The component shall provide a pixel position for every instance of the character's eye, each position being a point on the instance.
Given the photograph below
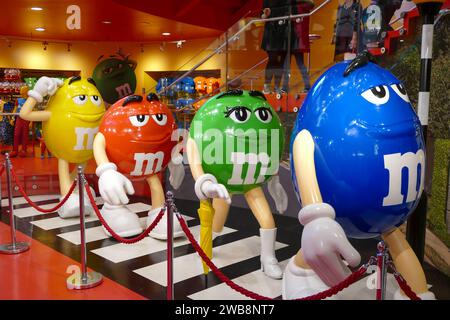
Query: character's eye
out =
(80, 100)
(139, 120)
(401, 91)
(264, 114)
(160, 118)
(108, 70)
(96, 100)
(377, 95)
(239, 114)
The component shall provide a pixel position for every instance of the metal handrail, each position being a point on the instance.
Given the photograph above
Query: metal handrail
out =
(234, 37)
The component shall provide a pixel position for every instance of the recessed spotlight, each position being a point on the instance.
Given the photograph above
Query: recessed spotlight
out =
(106, 22)
(166, 33)
(40, 29)
(36, 8)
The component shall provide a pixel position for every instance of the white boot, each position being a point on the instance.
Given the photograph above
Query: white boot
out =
(71, 208)
(122, 220)
(428, 295)
(160, 231)
(299, 283)
(269, 263)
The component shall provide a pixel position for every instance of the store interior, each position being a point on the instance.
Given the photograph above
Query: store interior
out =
(187, 53)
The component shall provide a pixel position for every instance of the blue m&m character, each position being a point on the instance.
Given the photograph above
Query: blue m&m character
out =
(357, 163)
(369, 150)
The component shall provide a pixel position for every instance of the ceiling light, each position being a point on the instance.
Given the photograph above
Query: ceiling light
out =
(36, 8)
(40, 29)
(166, 33)
(106, 22)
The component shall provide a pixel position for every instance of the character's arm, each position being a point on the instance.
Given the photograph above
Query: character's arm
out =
(113, 185)
(43, 87)
(323, 239)
(206, 185)
(277, 193)
(176, 166)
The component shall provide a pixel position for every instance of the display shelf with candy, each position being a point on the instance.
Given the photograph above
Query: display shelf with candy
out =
(10, 81)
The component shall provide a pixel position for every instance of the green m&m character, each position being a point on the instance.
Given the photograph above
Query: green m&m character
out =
(115, 77)
(235, 145)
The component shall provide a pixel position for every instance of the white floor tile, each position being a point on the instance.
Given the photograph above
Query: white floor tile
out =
(122, 252)
(57, 222)
(21, 200)
(95, 233)
(190, 265)
(30, 211)
(255, 281)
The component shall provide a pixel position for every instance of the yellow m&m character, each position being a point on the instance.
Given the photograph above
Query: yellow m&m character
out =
(69, 124)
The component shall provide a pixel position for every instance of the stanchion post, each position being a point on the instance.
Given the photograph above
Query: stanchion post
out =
(83, 279)
(170, 208)
(416, 226)
(382, 256)
(14, 247)
(82, 224)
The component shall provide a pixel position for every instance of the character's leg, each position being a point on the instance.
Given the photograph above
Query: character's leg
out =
(221, 209)
(407, 265)
(72, 206)
(65, 180)
(268, 232)
(158, 199)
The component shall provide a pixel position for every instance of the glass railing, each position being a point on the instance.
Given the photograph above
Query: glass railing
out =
(254, 52)
(282, 52)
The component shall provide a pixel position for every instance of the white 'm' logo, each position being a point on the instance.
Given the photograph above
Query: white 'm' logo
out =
(395, 163)
(151, 158)
(81, 133)
(252, 159)
(124, 90)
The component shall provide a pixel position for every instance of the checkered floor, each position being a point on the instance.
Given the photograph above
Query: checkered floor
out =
(141, 267)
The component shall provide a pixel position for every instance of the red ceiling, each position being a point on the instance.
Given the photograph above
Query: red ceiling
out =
(216, 14)
(132, 20)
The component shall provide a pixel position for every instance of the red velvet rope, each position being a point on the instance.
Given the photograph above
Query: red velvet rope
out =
(111, 231)
(405, 287)
(322, 295)
(35, 206)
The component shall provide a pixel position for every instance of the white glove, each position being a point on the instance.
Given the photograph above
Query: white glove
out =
(206, 187)
(324, 242)
(278, 193)
(113, 185)
(45, 86)
(176, 169)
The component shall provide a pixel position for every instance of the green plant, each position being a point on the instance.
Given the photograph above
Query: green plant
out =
(438, 199)
(405, 64)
